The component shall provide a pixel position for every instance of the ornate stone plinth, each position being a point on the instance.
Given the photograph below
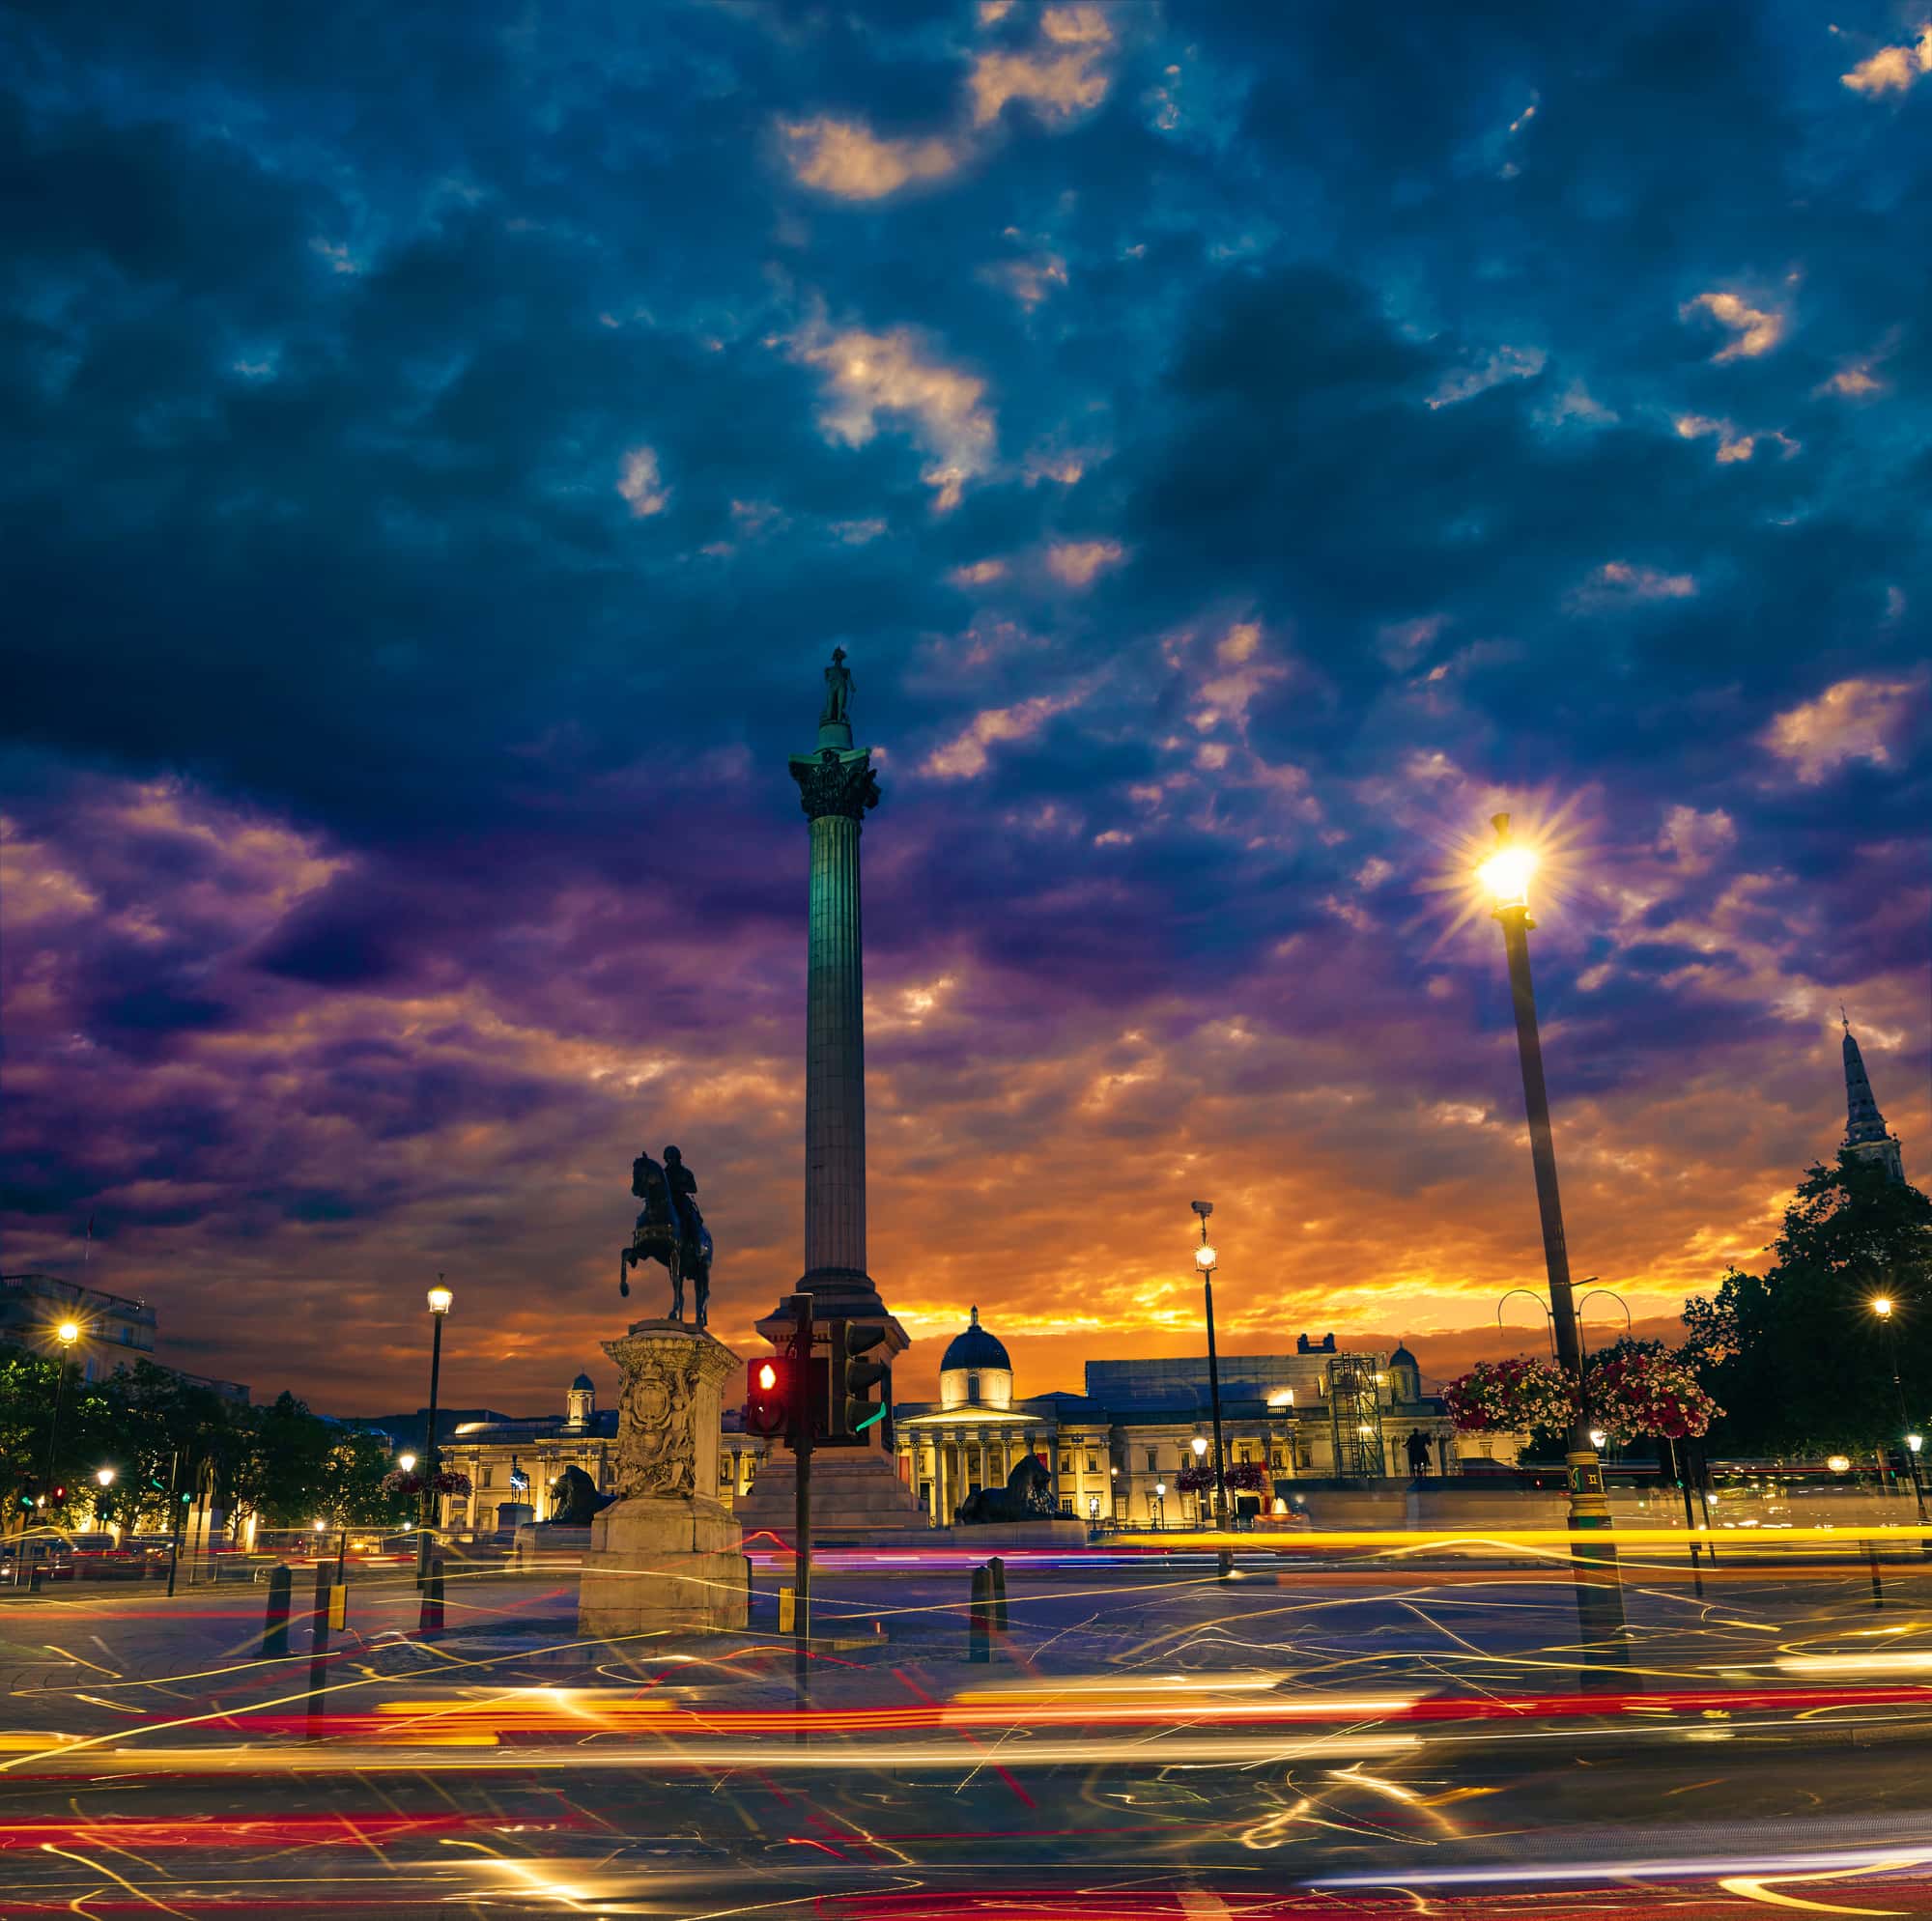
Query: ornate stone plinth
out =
(667, 1556)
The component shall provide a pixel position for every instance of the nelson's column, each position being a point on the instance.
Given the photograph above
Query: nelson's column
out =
(854, 1491)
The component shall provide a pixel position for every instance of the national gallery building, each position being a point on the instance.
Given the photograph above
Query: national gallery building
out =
(1116, 1451)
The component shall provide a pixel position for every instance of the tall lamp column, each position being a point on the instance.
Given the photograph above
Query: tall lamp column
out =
(1506, 875)
(66, 1334)
(1882, 1307)
(441, 1300)
(1599, 1598)
(1204, 1259)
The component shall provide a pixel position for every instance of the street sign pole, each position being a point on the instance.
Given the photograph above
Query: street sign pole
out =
(801, 1445)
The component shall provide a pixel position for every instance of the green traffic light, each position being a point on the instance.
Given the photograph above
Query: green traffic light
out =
(876, 1415)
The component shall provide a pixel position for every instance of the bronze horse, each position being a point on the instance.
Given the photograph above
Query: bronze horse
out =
(669, 1230)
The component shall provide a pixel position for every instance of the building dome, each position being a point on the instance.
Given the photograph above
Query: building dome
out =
(975, 1348)
(1402, 1358)
(975, 1371)
(584, 1381)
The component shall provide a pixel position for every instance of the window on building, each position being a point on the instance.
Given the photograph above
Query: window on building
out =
(724, 1469)
(488, 1477)
(973, 1389)
(1067, 1504)
(1066, 1463)
(1154, 1461)
(1092, 1464)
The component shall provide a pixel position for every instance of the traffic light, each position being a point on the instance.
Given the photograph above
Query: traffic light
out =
(59, 1494)
(769, 1392)
(852, 1410)
(30, 1492)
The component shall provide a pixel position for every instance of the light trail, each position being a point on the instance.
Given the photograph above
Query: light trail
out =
(1851, 1861)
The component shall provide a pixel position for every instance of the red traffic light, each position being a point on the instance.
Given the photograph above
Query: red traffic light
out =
(768, 1392)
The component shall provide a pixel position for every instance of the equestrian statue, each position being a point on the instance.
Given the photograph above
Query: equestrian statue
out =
(670, 1229)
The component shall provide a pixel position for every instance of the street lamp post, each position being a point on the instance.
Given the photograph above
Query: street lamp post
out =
(441, 1300)
(1882, 1307)
(1204, 1259)
(1506, 877)
(66, 1334)
(1160, 1504)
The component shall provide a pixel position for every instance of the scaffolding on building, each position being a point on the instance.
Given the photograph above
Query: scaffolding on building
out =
(1354, 1408)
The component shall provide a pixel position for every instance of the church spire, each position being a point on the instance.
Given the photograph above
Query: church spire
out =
(1866, 1132)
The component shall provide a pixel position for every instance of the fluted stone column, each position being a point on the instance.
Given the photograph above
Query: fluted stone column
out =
(856, 1490)
(835, 1057)
(837, 785)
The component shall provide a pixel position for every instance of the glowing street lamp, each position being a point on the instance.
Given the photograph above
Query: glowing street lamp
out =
(407, 1462)
(1505, 877)
(440, 1301)
(104, 1476)
(1505, 874)
(66, 1334)
(1204, 1259)
(1160, 1497)
(1882, 1305)
(1598, 1437)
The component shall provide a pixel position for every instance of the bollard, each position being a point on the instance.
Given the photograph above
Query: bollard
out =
(430, 1621)
(978, 1619)
(318, 1649)
(788, 1609)
(1871, 1558)
(275, 1620)
(995, 1576)
(32, 1552)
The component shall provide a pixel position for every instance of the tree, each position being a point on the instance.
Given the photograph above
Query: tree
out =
(1795, 1354)
(282, 1472)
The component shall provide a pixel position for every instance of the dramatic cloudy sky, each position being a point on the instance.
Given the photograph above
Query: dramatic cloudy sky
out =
(1240, 446)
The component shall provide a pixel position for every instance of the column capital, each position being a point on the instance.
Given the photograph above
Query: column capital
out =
(838, 781)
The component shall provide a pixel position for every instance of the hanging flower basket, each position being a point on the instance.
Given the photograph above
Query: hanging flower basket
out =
(405, 1481)
(1502, 1396)
(1634, 1394)
(1248, 1477)
(1196, 1478)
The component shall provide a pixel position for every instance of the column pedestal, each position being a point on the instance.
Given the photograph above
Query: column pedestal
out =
(668, 1556)
(856, 1492)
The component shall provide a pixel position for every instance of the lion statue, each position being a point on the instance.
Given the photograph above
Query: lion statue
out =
(1027, 1496)
(574, 1499)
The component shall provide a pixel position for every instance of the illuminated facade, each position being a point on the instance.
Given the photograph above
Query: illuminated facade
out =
(511, 1461)
(1111, 1451)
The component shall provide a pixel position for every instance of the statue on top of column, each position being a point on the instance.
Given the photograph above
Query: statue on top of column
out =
(838, 709)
